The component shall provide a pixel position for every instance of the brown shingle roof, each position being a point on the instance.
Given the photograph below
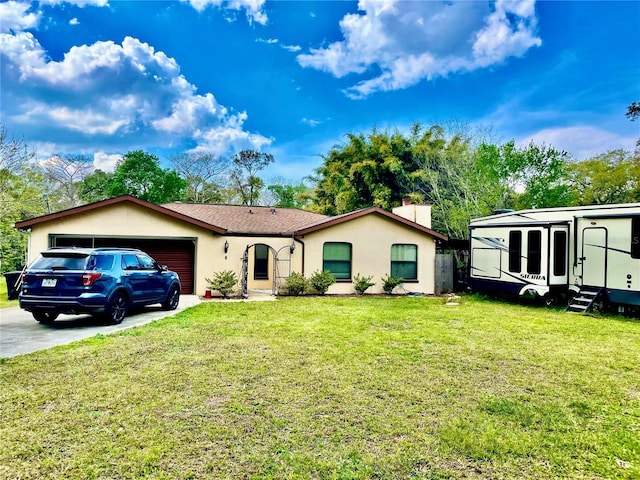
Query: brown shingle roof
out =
(249, 220)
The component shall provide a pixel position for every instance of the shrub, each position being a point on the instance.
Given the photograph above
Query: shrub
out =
(321, 281)
(296, 284)
(224, 282)
(362, 283)
(389, 283)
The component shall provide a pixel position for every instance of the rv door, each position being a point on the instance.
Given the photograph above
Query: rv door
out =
(594, 256)
(559, 255)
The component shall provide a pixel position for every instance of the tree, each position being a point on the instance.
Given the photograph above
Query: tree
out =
(139, 174)
(428, 165)
(21, 197)
(613, 177)
(14, 154)
(286, 195)
(247, 163)
(366, 171)
(64, 175)
(95, 186)
(536, 174)
(450, 178)
(202, 172)
(633, 113)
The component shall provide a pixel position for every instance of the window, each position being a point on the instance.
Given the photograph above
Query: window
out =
(534, 251)
(101, 262)
(336, 257)
(635, 237)
(515, 251)
(404, 261)
(559, 254)
(130, 262)
(146, 263)
(261, 262)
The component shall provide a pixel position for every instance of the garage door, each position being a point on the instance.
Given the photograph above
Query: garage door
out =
(177, 255)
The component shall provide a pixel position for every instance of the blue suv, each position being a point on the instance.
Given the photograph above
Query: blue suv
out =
(105, 282)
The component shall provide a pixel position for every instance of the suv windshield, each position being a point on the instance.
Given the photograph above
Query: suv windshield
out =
(60, 262)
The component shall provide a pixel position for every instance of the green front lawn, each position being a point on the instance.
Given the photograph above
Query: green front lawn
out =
(4, 301)
(332, 388)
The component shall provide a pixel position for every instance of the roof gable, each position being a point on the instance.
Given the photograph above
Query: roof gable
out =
(331, 221)
(124, 199)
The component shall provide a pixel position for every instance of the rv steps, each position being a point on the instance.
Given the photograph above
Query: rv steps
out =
(584, 300)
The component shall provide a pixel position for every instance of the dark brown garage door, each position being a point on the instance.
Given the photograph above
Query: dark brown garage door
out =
(177, 255)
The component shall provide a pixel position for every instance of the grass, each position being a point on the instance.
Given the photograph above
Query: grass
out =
(4, 301)
(332, 388)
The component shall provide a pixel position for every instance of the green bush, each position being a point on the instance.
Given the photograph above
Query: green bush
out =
(224, 282)
(296, 284)
(321, 281)
(361, 284)
(389, 283)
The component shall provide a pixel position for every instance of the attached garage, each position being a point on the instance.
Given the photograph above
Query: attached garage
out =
(177, 254)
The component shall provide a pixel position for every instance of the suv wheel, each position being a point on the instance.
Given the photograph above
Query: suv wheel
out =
(45, 318)
(116, 309)
(173, 298)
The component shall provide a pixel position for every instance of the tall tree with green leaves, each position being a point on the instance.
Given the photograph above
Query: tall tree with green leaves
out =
(246, 165)
(287, 195)
(22, 191)
(95, 186)
(612, 177)
(367, 170)
(534, 176)
(140, 174)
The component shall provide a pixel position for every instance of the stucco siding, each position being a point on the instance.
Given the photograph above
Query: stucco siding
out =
(371, 237)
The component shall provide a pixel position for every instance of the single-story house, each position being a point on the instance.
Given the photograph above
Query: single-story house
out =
(263, 245)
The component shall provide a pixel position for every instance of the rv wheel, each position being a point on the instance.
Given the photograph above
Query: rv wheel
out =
(550, 300)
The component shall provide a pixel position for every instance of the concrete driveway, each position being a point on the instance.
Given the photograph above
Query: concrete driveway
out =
(20, 333)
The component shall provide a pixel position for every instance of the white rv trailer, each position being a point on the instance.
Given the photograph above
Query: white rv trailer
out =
(559, 253)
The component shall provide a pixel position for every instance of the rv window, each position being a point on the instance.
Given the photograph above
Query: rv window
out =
(515, 251)
(560, 253)
(635, 237)
(534, 254)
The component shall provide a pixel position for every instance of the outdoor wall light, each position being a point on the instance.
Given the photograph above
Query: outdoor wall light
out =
(292, 247)
(226, 246)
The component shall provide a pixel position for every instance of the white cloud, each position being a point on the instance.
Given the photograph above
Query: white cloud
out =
(292, 48)
(74, 21)
(105, 162)
(582, 142)
(79, 3)
(311, 122)
(253, 8)
(127, 93)
(395, 44)
(17, 17)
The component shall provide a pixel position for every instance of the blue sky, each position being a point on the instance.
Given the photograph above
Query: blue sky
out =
(292, 77)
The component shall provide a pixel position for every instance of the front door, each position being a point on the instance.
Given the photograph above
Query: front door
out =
(594, 257)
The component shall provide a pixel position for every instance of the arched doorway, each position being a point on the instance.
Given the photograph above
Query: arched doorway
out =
(280, 266)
